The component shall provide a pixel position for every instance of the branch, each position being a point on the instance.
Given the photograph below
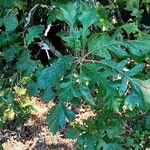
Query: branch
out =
(31, 12)
(144, 27)
(47, 46)
(30, 15)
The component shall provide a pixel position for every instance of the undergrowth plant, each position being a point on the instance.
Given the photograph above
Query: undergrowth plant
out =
(107, 66)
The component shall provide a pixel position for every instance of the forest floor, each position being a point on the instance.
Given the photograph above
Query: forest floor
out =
(34, 133)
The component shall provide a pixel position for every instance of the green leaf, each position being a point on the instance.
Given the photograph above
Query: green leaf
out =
(117, 104)
(57, 117)
(21, 5)
(132, 101)
(85, 92)
(91, 71)
(114, 129)
(9, 54)
(147, 125)
(7, 2)
(33, 32)
(72, 133)
(112, 146)
(130, 28)
(51, 76)
(133, 6)
(10, 21)
(68, 13)
(62, 121)
(1, 22)
(25, 64)
(135, 70)
(119, 68)
(1, 147)
(138, 47)
(144, 87)
(53, 119)
(87, 141)
(99, 46)
(119, 51)
(32, 89)
(72, 39)
(70, 115)
(68, 91)
(10, 99)
(105, 90)
(52, 17)
(48, 94)
(123, 86)
(88, 17)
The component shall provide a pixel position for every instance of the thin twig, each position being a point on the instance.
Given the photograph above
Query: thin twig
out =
(52, 49)
(49, 47)
(29, 18)
(144, 27)
(30, 15)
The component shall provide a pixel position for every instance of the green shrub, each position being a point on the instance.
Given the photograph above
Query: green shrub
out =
(107, 66)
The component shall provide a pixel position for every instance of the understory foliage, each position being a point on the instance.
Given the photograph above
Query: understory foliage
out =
(106, 65)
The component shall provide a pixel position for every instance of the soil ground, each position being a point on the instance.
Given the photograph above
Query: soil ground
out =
(34, 133)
